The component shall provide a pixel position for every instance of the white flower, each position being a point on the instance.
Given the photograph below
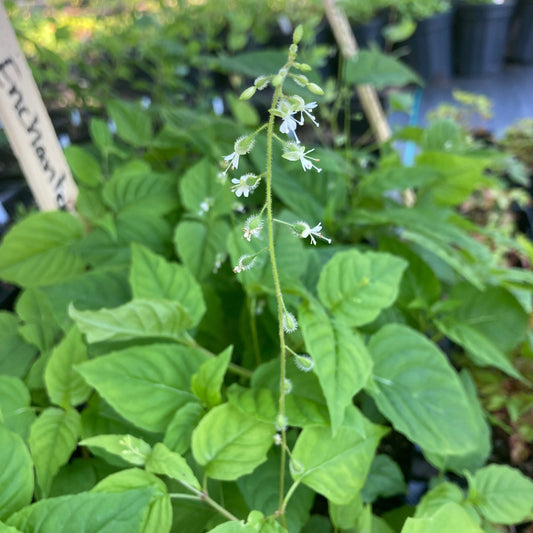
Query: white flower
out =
(277, 439)
(307, 110)
(205, 206)
(245, 185)
(303, 230)
(296, 152)
(252, 227)
(288, 123)
(243, 145)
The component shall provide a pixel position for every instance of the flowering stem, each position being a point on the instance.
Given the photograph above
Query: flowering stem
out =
(277, 286)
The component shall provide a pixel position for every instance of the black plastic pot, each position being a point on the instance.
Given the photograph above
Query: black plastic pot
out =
(481, 32)
(521, 33)
(431, 47)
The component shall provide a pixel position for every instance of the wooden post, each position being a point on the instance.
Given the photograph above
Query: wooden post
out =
(367, 94)
(29, 128)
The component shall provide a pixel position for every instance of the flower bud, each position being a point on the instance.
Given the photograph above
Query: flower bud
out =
(247, 93)
(298, 34)
(304, 67)
(244, 145)
(261, 82)
(246, 262)
(304, 362)
(301, 80)
(289, 322)
(277, 80)
(281, 422)
(293, 49)
(314, 88)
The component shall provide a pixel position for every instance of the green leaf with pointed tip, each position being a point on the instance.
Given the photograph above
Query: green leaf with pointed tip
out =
(132, 449)
(207, 382)
(415, 387)
(152, 276)
(53, 438)
(135, 187)
(16, 474)
(85, 513)
(357, 286)
(320, 460)
(230, 443)
(233, 527)
(179, 431)
(84, 166)
(133, 123)
(342, 362)
(346, 516)
(38, 250)
(145, 384)
(201, 246)
(503, 495)
(15, 353)
(157, 517)
(15, 405)
(168, 463)
(200, 188)
(134, 320)
(64, 385)
(450, 518)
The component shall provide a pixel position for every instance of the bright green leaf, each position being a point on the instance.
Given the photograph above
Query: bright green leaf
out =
(134, 320)
(342, 362)
(15, 405)
(85, 513)
(152, 276)
(84, 166)
(356, 286)
(38, 250)
(502, 494)
(450, 518)
(233, 527)
(230, 443)
(100, 134)
(320, 460)
(16, 474)
(437, 497)
(133, 123)
(207, 382)
(53, 438)
(145, 384)
(419, 392)
(64, 385)
(131, 449)
(165, 462)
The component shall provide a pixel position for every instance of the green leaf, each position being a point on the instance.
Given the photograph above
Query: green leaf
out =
(378, 69)
(503, 495)
(418, 391)
(85, 513)
(15, 405)
(151, 276)
(84, 166)
(39, 328)
(200, 246)
(15, 353)
(200, 188)
(437, 497)
(131, 449)
(133, 123)
(53, 438)
(206, 384)
(168, 463)
(178, 433)
(100, 134)
(342, 362)
(8, 529)
(384, 480)
(320, 460)
(230, 443)
(65, 387)
(16, 474)
(135, 187)
(260, 491)
(145, 384)
(134, 320)
(450, 518)
(357, 286)
(233, 527)
(346, 516)
(158, 516)
(38, 251)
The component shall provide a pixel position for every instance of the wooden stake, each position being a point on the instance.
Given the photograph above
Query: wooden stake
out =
(29, 128)
(367, 94)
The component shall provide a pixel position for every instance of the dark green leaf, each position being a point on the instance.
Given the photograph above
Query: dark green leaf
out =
(15, 353)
